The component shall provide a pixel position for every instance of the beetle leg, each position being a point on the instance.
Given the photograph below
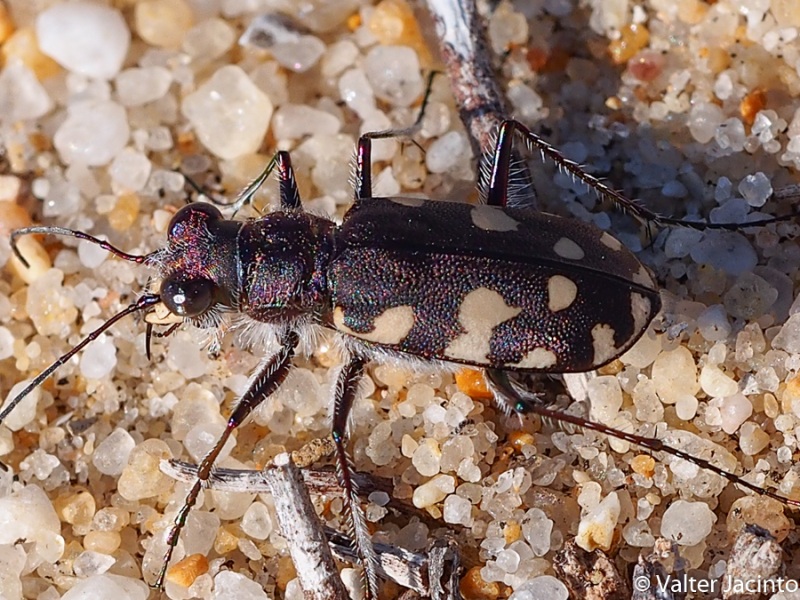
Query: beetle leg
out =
(290, 197)
(270, 375)
(345, 395)
(500, 168)
(524, 402)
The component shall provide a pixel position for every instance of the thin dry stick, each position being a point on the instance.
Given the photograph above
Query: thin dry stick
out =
(302, 529)
(408, 569)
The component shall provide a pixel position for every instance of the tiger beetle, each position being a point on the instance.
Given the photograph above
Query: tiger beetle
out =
(416, 281)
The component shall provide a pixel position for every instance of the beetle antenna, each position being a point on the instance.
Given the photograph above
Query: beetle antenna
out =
(139, 259)
(142, 303)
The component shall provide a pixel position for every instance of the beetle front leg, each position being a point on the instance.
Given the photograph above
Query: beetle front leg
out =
(345, 394)
(269, 377)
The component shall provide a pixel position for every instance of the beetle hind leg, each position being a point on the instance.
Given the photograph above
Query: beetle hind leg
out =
(269, 377)
(345, 394)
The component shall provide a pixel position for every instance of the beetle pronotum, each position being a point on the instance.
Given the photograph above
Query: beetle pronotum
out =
(404, 279)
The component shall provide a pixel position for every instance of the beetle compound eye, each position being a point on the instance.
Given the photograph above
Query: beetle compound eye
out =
(187, 297)
(191, 215)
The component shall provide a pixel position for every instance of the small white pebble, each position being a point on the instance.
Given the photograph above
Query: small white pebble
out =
(111, 455)
(756, 189)
(84, 37)
(596, 529)
(734, 411)
(433, 491)
(687, 523)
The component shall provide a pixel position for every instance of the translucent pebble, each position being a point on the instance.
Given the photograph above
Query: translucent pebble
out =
(749, 297)
(716, 383)
(732, 210)
(723, 86)
(506, 28)
(196, 538)
(756, 189)
(197, 405)
(427, 458)
(596, 529)
(433, 491)
(93, 133)
(338, 57)
(446, 152)
(680, 241)
(643, 352)
(256, 521)
(141, 478)
(788, 337)
(734, 411)
(91, 255)
(140, 85)
(638, 534)
(84, 37)
(229, 113)
(12, 561)
(605, 394)
(728, 251)
(752, 438)
(537, 528)
(380, 449)
(299, 55)
(454, 451)
(228, 584)
(25, 411)
(111, 455)
(301, 393)
(686, 407)
(163, 22)
(527, 103)
(130, 170)
(186, 357)
(713, 323)
(508, 561)
(99, 357)
(544, 587)
(40, 463)
(457, 510)
(200, 439)
(22, 97)
(687, 523)
(704, 118)
(722, 191)
(108, 585)
(209, 39)
(6, 343)
(28, 514)
(89, 564)
(357, 93)
(731, 134)
(293, 121)
(394, 73)
(674, 189)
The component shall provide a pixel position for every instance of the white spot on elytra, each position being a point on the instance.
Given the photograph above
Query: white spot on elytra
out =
(390, 327)
(610, 241)
(566, 248)
(603, 344)
(561, 293)
(412, 202)
(490, 218)
(642, 277)
(640, 309)
(538, 358)
(480, 312)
